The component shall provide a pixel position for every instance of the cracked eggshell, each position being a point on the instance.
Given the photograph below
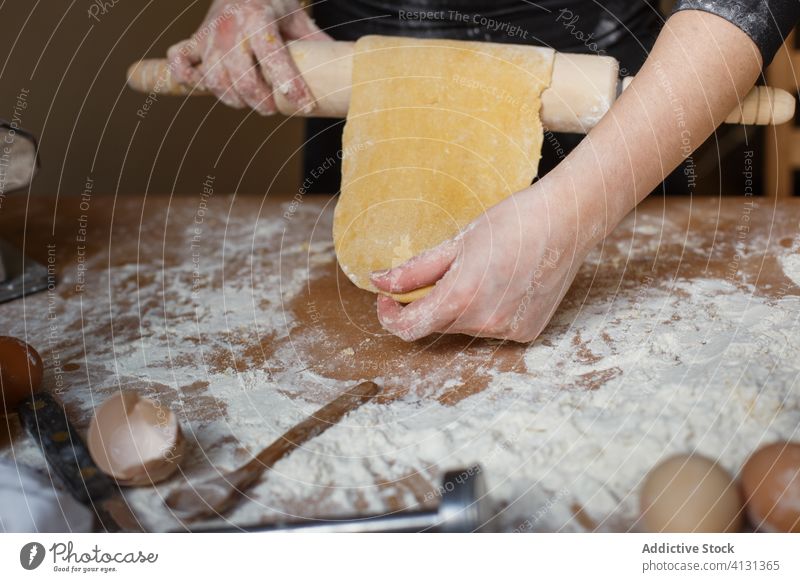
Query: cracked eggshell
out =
(771, 484)
(135, 440)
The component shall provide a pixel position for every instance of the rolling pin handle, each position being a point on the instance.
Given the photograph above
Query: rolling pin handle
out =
(761, 106)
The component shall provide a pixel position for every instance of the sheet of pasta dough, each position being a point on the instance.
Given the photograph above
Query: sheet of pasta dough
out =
(437, 132)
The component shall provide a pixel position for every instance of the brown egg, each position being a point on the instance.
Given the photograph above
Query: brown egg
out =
(771, 485)
(690, 493)
(134, 440)
(20, 372)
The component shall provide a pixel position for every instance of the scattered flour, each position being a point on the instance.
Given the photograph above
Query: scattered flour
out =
(615, 384)
(706, 367)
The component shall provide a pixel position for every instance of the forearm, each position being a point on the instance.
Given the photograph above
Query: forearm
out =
(699, 69)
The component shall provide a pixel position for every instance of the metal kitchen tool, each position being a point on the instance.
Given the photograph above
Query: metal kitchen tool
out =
(19, 275)
(464, 508)
(46, 421)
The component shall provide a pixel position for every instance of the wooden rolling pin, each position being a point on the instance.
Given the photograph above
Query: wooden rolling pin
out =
(582, 89)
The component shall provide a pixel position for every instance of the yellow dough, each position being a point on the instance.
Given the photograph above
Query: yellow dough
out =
(437, 132)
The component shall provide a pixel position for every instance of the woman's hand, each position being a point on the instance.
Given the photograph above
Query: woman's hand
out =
(239, 53)
(502, 277)
(506, 274)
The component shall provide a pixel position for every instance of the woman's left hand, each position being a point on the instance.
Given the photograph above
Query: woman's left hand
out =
(502, 277)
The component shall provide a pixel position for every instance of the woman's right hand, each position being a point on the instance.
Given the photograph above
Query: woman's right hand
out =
(239, 53)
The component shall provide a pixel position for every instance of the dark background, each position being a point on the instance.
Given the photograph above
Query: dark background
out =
(86, 119)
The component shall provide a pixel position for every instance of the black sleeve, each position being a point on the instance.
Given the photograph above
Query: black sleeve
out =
(767, 22)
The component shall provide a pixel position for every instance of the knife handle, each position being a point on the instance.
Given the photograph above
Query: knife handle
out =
(46, 421)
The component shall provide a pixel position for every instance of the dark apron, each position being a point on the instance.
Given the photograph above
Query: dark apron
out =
(623, 29)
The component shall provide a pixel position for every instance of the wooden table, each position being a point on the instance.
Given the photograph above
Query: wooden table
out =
(231, 310)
